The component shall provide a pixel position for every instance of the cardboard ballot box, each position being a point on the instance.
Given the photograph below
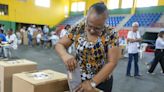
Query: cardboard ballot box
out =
(8, 68)
(40, 81)
(25, 38)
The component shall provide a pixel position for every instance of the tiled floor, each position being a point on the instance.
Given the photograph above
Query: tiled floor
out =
(48, 59)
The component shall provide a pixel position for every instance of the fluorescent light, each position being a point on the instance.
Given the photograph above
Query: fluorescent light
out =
(113, 4)
(66, 10)
(78, 6)
(43, 3)
(127, 4)
(147, 3)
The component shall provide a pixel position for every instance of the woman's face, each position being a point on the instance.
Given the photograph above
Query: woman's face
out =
(95, 22)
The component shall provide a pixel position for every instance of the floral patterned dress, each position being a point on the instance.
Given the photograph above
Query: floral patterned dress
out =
(91, 56)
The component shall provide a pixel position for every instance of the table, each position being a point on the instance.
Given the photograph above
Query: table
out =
(2, 48)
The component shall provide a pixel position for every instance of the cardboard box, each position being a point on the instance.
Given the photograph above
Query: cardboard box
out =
(40, 81)
(34, 38)
(25, 38)
(8, 68)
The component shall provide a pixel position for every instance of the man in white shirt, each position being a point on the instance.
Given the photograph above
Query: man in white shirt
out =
(159, 53)
(31, 31)
(12, 41)
(45, 29)
(133, 39)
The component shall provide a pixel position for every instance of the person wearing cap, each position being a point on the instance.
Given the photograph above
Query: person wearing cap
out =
(159, 53)
(31, 31)
(133, 39)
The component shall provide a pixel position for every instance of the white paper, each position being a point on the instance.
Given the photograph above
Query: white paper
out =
(40, 76)
(13, 62)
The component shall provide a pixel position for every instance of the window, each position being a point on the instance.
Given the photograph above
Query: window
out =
(113, 4)
(127, 4)
(147, 3)
(3, 9)
(43, 3)
(78, 6)
(66, 11)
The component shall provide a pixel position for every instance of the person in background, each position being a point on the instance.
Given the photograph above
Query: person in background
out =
(22, 31)
(2, 27)
(122, 40)
(39, 36)
(2, 36)
(2, 39)
(31, 30)
(45, 36)
(19, 37)
(97, 50)
(64, 31)
(45, 29)
(133, 39)
(55, 36)
(12, 41)
(159, 53)
(1, 51)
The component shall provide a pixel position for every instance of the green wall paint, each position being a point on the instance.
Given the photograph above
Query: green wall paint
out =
(8, 25)
(76, 13)
(120, 11)
(155, 9)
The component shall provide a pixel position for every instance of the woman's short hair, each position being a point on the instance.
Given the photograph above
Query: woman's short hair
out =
(67, 26)
(99, 7)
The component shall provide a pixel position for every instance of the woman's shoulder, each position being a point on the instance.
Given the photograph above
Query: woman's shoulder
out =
(78, 28)
(109, 30)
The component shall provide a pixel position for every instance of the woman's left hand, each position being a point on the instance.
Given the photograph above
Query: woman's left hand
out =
(85, 87)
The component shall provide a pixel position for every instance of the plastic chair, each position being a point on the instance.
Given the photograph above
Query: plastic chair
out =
(142, 49)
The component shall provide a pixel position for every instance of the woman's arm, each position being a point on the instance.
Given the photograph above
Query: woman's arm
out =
(107, 70)
(61, 49)
(62, 45)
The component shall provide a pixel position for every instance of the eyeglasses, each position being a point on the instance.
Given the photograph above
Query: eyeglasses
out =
(94, 28)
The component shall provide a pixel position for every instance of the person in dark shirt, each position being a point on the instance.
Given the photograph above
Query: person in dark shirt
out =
(2, 39)
(2, 36)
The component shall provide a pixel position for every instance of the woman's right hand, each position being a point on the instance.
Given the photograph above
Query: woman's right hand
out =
(70, 62)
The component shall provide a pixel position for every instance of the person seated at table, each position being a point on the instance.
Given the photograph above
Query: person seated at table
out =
(2, 36)
(12, 41)
(2, 39)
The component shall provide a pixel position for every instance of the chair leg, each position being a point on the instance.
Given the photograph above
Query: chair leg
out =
(141, 55)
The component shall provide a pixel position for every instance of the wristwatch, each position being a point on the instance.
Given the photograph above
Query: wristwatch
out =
(93, 83)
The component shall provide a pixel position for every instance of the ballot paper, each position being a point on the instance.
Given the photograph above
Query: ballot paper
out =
(14, 62)
(74, 79)
(40, 76)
